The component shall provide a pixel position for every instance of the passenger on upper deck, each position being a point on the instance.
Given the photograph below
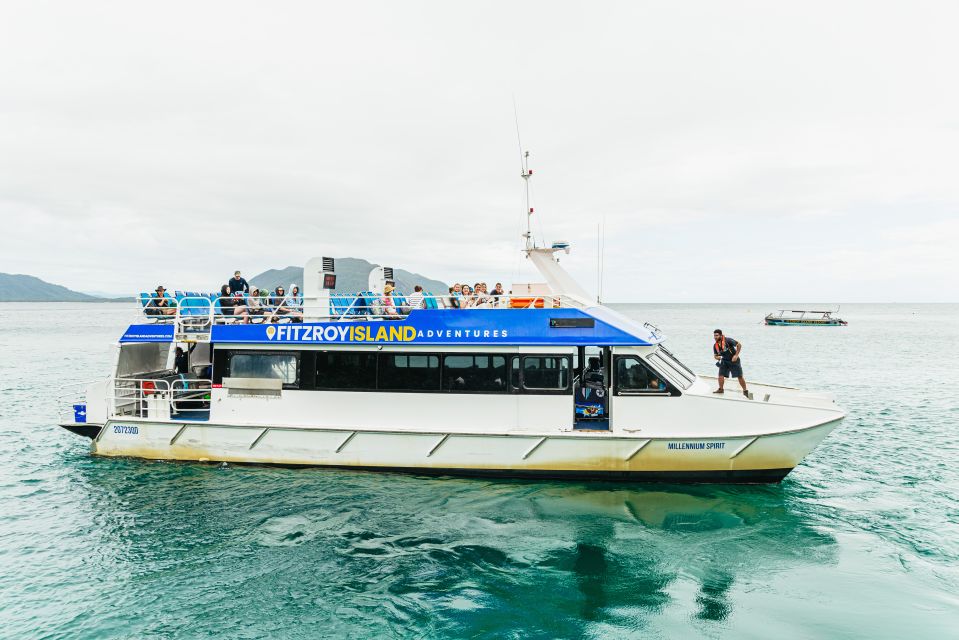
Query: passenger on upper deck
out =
(237, 283)
(255, 303)
(386, 306)
(481, 299)
(233, 305)
(415, 300)
(282, 306)
(159, 304)
(296, 299)
(453, 301)
(497, 291)
(466, 299)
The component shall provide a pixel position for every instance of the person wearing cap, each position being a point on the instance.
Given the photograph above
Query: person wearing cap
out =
(159, 304)
(238, 283)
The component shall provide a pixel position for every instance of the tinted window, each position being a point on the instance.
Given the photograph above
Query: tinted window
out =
(345, 370)
(668, 364)
(264, 365)
(409, 372)
(634, 376)
(474, 373)
(545, 372)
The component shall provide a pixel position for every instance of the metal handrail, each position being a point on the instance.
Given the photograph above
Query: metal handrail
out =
(200, 312)
(131, 396)
(69, 394)
(184, 386)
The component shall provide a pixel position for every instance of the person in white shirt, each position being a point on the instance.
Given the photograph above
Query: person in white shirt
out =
(415, 299)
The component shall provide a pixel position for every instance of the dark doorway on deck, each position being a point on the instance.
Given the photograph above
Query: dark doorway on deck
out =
(591, 388)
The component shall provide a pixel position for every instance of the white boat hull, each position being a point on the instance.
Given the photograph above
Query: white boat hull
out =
(754, 458)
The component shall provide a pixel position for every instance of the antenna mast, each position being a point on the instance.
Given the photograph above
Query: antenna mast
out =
(525, 173)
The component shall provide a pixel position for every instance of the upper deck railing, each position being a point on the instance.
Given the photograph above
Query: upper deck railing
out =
(197, 313)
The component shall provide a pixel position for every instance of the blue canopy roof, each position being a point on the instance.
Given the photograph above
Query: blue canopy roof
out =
(562, 327)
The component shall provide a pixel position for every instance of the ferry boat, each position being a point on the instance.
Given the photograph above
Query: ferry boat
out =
(542, 383)
(803, 318)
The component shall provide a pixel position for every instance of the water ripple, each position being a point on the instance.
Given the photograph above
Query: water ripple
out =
(859, 541)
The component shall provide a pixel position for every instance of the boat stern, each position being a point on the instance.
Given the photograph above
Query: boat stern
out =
(85, 429)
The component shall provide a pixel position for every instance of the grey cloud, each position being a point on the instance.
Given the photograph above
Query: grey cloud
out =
(141, 143)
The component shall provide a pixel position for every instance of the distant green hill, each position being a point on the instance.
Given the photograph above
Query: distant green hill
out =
(17, 287)
(352, 275)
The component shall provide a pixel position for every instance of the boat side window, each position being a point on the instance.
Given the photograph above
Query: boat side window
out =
(666, 362)
(474, 373)
(347, 370)
(419, 372)
(634, 377)
(281, 366)
(547, 373)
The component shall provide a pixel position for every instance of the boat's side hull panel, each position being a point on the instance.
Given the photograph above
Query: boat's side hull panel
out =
(714, 459)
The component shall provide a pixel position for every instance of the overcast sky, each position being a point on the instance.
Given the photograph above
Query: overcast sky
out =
(738, 151)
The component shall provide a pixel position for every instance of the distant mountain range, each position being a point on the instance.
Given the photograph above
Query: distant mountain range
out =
(352, 275)
(17, 287)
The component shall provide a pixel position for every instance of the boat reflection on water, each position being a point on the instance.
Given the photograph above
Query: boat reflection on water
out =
(713, 536)
(452, 555)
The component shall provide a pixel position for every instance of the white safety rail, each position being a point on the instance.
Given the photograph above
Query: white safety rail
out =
(194, 316)
(160, 398)
(68, 395)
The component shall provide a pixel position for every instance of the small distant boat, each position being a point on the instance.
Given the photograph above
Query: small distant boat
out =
(804, 318)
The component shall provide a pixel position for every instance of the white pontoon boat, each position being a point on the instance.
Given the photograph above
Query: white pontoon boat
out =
(543, 383)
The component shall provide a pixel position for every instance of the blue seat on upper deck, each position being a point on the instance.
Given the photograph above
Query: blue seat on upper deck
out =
(195, 304)
(340, 304)
(364, 304)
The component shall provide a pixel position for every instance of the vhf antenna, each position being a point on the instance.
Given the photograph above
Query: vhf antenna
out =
(525, 173)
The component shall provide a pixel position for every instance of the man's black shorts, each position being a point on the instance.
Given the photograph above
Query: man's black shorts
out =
(730, 369)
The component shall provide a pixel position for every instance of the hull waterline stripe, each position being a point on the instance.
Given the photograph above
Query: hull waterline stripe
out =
(744, 447)
(534, 448)
(178, 434)
(438, 445)
(637, 450)
(259, 437)
(345, 442)
(716, 476)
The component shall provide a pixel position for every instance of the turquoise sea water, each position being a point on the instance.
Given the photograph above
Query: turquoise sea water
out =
(860, 541)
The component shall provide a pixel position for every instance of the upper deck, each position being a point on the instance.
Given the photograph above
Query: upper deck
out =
(552, 320)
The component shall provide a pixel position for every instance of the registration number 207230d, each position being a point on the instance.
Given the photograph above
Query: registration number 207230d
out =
(126, 429)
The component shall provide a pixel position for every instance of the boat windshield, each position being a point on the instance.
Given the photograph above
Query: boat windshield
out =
(672, 367)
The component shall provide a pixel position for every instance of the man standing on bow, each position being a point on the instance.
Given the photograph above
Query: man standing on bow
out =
(726, 352)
